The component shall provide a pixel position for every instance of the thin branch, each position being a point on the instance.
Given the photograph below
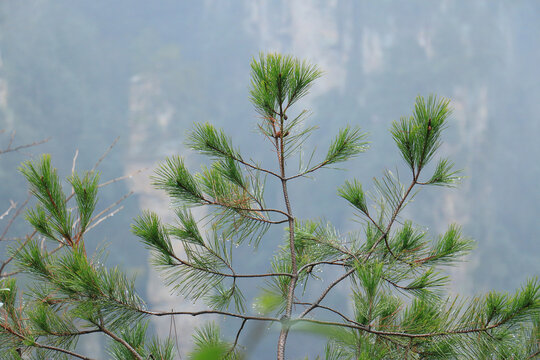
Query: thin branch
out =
(111, 214)
(233, 275)
(105, 154)
(384, 236)
(68, 352)
(237, 336)
(337, 262)
(317, 167)
(370, 330)
(325, 292)
(129, 176)
(74, 161)
(12, 205)
(81, 332)
(15, 216)
(8, 260)
(238, 208)
(10, 149)
(120, 340)
(208, 312)
(331, 310)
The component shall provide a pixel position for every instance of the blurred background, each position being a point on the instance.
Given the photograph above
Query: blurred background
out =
(85, 72)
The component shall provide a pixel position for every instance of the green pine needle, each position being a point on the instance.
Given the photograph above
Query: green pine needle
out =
(173, 177)
(348, 144)
(353, 193)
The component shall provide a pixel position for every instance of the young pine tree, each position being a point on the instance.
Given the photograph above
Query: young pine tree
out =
(393, 268)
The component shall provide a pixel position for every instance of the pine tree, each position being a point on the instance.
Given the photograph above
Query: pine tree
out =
(394, 268)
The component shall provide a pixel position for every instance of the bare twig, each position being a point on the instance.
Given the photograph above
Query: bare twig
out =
(8, 260)
(129, 176)
(15, 216)
(16, 148)
(12, 205)
(105, 154)
(74, 161)
(107, 209)
(111, 214)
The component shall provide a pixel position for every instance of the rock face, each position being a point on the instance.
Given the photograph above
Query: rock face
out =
(151, 114)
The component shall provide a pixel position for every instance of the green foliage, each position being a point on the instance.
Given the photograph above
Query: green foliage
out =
(278, 81)
(397, 307)
(45, 186)
(210, 141)
(353, 193)
(137, 338)
(85, 190)
(209, 346)
(418, 137)
(348, 144)
(173, 177)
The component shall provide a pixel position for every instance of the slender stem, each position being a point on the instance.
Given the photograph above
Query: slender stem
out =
(208, 312)
(239, 208)
(10, 149)
(65, 351)
(317, 167)
(233, 275)
(325, 292)
(121, 341)
(370, 330)
(237, 336)
(15, 216)
(294, 278)
(105, 154)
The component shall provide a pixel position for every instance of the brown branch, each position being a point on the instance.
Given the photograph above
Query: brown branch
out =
(325, 292)
(294, 278)
(105, 154)
(337, 262)
(213, 202)
(370, 330)
(315, 168)
(10, 149)
(237, 336)
(8, 260)
(120, 340)
(351, 321)
(245, 163)
(233, 275)
(208, 312)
